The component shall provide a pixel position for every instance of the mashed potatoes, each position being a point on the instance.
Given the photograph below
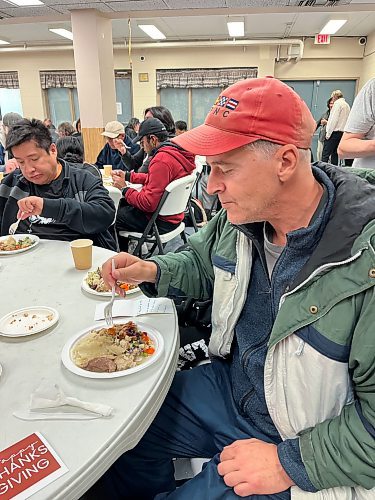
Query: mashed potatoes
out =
(112, 349)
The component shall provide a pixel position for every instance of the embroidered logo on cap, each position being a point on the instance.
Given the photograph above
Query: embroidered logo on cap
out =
(232, 104)
(221, 101)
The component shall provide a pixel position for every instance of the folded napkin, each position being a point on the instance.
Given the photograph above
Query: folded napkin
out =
(136, 307)
(49, 395)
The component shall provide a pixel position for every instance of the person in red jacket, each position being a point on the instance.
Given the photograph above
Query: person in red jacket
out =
(169, 162)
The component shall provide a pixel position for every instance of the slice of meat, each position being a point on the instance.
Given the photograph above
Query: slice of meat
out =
(101, 365)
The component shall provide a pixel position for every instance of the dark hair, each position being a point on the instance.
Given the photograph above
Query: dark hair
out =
(70, 148)
(66, 128)
(29, 130)
(161, 136)
(133, 122)
(78, 124)
(164, 115)
(181, 125)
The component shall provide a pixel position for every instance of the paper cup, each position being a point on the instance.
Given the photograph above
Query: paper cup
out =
(82, 253)
(1, 176)
(107, 170)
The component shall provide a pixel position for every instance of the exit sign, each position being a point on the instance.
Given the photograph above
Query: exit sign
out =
(322, 39)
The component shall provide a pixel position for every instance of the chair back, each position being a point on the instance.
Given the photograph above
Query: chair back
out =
(178, 193)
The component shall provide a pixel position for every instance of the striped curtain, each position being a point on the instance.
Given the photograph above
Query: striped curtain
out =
(9, 80)
(202, 78)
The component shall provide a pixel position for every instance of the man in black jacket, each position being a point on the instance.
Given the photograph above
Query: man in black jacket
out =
(117, 145)
(53, 199)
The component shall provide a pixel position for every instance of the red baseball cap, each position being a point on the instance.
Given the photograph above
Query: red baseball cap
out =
(248, 111)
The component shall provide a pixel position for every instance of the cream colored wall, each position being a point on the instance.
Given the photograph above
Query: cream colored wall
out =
(368, 66)
(343, 58)
(28, 65)
(145, 94)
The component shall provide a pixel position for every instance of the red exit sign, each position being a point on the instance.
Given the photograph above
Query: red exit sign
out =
(322, 39)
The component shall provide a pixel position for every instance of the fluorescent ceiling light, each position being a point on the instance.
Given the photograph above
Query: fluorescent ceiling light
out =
(4, 42)
(62, 32)
(333, 26)
(236, 28)
(152, 31)
(25, 3)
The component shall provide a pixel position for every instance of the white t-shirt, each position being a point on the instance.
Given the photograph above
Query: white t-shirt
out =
(362, 120)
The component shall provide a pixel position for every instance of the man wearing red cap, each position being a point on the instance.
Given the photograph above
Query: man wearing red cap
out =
(286, 408)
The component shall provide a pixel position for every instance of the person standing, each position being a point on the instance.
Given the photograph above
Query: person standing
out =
(335, 127)
(322, 122)
(358, 140)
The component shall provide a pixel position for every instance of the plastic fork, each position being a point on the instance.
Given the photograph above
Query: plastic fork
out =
(108, 308)
(13, 227)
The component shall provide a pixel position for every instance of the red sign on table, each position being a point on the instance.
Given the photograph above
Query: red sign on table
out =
(28, 466)
(321, 39)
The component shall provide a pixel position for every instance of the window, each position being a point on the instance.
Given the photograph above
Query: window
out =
(62, 105)
(190, 93)
(10, 101)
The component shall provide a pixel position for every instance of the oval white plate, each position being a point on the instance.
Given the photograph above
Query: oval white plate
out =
(87, 289)
(19, 237)
(21, 323)
(151, 332)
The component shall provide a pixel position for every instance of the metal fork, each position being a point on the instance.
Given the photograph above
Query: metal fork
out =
(108, 308)
(13, 227)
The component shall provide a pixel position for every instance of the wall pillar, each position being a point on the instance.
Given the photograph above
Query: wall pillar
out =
(93, 56)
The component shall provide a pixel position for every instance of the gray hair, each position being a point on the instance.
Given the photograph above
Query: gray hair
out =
(268, 149)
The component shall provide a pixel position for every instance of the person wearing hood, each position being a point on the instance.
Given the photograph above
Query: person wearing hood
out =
(169, 162)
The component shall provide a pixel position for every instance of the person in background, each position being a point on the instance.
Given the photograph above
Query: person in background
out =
(51, 127)
(65, 129)
(140, 161)
(78, 132)
(116, 148)
(286, 408)
(181, 127)
(132, 128)
(168, 163)
(70, 149)
(9, 119)
(322, 122)
(358, 140)
(53, 199)
(335, 127)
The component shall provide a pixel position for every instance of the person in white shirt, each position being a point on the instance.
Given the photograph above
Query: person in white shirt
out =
(335, 127)
(358, 140)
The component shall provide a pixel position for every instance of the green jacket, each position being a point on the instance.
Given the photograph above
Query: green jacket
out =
(322, 344)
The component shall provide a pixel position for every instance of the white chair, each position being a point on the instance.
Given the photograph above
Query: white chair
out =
(174, 201)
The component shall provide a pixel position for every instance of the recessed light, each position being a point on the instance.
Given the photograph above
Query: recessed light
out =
(236, 28)
(333, 26)
(62, 32)
(25, 3)
(152, 31)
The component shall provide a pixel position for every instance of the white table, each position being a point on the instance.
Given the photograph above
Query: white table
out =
(45, 275)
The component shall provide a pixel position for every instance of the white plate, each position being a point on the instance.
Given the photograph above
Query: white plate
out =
(154, 335)
(28, 321)
(87, 289)
(19, 237)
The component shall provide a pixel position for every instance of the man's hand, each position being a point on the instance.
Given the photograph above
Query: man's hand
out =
(323, 121)
(11, 165)
(129, 269)
(252, 467)
(118, 177)
(120, 145)
(32, 205)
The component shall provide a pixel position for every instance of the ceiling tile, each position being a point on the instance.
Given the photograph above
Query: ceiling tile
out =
(196, 4)
(137, 5)
(29, 11)
(67, 8)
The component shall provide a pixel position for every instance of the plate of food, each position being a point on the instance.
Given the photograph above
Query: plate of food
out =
(17, 243)
(28, 321)
(93, 283)
(102, 352)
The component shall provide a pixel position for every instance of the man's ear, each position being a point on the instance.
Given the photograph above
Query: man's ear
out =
(287, 158)
(53, 149)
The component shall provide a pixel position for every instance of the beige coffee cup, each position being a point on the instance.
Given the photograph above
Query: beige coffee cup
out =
(1, 176)
(107, 170)
(82, 253)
